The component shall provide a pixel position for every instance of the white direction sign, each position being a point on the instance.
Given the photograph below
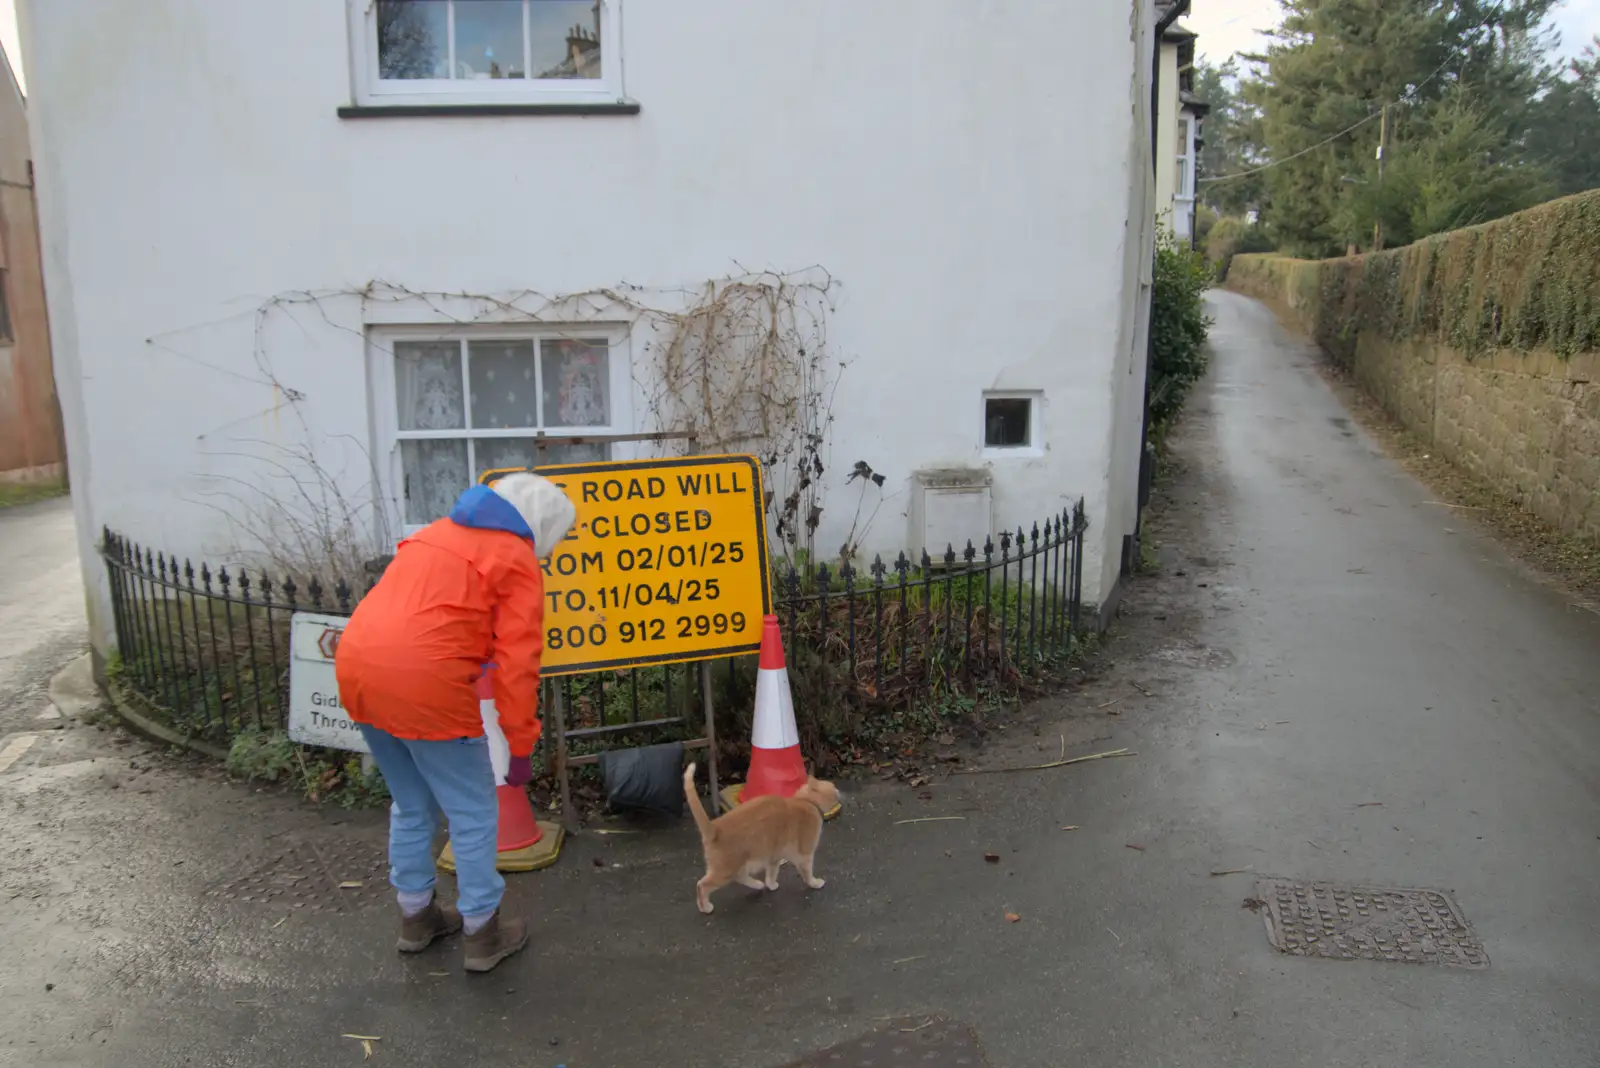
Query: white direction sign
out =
(315, 716)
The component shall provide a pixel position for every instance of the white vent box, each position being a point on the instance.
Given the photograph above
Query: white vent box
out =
(950, 507)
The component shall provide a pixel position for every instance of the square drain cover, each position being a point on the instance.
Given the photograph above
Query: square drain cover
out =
(1368, 923)
(923, 1041)
(320, 876)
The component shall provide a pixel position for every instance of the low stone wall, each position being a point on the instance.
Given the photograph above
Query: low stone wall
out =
(1482, 342)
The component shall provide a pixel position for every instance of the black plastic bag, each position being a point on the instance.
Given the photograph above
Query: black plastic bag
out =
(648, 778)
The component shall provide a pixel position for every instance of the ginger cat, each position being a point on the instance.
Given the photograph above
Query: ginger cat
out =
(759, 837)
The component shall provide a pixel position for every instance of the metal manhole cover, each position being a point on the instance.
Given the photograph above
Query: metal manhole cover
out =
(314, 876)
(1400, 926)
(923, 1041)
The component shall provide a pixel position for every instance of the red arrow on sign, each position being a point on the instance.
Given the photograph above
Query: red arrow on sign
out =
(328, 643)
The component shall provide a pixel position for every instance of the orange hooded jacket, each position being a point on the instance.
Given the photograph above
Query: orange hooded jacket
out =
(462, 596)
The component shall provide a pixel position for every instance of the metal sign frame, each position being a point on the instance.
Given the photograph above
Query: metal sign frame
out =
(561, 761)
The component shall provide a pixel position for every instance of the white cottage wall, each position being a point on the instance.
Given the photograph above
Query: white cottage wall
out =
(963, 170)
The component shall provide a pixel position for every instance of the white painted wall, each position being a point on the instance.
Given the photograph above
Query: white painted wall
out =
(968, 174)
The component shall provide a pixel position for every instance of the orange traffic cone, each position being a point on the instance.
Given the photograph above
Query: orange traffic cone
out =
(518, 829)
(776, 766)
(522, 842)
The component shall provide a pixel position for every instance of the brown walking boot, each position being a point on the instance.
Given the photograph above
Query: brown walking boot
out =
(420, 931)
(494, 942)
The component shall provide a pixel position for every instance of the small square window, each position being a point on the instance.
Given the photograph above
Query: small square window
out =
(1008, 422)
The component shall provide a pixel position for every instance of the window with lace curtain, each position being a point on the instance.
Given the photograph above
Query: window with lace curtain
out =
(462, 406)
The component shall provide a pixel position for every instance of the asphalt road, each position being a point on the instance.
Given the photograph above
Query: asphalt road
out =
(41, 605)
(1331, 678)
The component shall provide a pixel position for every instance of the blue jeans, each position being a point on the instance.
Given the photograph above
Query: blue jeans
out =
(427, 779)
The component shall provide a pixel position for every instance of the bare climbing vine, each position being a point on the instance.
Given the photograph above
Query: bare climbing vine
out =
(743, 363)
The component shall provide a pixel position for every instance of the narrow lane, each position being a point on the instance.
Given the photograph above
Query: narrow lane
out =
(1396, 703)
(41, 606)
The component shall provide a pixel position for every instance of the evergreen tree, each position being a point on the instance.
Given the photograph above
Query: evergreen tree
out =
(1230, 141)
(1333, 66)
(1564, 124)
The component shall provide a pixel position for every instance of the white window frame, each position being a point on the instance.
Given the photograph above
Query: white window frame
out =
(1035, 443)
(1185, 184)
(386, 432)
(369, 90)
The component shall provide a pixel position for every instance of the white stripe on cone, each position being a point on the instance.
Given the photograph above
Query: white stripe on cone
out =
(499, 748)
(774, 726)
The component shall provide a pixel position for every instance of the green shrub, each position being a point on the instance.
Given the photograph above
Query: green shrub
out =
(1230, 237)
(258, 755)
(1205, 217)
(1178, 326)
(261, 756)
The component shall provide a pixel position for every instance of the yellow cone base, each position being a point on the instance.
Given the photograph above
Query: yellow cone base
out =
(541, 854)
(733, 795)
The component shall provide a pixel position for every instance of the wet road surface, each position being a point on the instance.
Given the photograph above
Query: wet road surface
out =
(1329, 679)
(41, 606)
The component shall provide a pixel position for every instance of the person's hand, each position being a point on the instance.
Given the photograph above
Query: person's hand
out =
(520, 773)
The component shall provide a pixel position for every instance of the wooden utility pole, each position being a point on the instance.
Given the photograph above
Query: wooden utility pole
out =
(1383, 146)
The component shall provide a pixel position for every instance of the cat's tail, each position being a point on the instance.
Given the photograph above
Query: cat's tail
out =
(696, 809)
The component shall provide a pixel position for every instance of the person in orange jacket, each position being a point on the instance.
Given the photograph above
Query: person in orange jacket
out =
(462, 596)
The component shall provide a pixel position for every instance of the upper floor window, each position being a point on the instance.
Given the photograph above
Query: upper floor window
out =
(433, 52)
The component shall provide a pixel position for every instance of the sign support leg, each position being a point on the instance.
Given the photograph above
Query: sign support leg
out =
(558, 720)
(711, 735)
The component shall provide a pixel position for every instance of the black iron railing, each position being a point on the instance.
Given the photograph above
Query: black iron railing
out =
(207, 649)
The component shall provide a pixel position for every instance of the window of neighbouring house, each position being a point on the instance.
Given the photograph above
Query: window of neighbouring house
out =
(1184, 183)
(462, 406)
(1010, 422)
(435, 52)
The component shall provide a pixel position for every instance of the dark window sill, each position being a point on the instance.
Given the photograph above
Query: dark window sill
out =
(415, 111)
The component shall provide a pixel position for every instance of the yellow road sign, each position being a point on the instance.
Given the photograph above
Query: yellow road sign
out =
(667, 562)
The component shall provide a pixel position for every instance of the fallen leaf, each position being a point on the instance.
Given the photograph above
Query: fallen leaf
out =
(366, 1044)
(1012, 917)
(992, 858)
(352, 884)
(1254, 904)
(1130, 845)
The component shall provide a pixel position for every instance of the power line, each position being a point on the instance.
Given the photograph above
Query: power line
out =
(1409, 97)
(1297, 155)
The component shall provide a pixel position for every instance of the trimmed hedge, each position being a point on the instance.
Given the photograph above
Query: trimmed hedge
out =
(1527, 281)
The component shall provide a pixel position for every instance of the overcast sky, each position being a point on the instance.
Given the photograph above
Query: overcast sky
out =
(1229, 26)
